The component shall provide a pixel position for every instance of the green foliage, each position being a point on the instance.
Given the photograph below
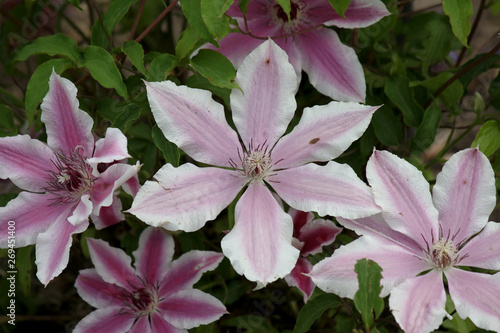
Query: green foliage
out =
(136, 55)
(216, 68)
(286, 6)
(161, 66)
(58, 44)
(488, 138)
(399, 92)
(212, 13)
(426, 132)
(192, 11)
(24, 267)
(340, 6)
(460, 12)
(115, 13)
(367, 299)
(169, 149)
(313, 310)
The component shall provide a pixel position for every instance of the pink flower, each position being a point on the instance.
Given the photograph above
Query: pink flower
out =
(332, 67)
(310, 235)
(418, 238)
(64, 180)
(156, 296)
(184, 198)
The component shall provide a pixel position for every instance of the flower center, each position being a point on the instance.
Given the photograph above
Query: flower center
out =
(257, 164)
(141, 301)
(443, 253)
(296, 15)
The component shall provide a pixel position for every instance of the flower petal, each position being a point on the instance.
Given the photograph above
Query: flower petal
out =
(333, 68)
(113, 147)
(403, 193)
(185, 271)
(154, 254)
(192, 120)
(332, 189)
(317, 234)
(108, 320)
(52, 248)
(95, 291)
(67, 126)
(359, 14)
(323, 133)
(483, 250)
(264, 109)
(141, 325)
(26, 161)
(336, 273)
(109, 215)
(464, 194)
(299, 218)
(184, 198)
(112, 264)
(260, 244)
(475, 295)
(82, 211)
(191, 308)
(296, 278)
(158, 324)
(418, 304)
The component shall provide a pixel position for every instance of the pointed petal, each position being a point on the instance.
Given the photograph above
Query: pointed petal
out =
(317, 234)
(113, 147)
(192, 120)
(296, 278)
(112, 264)
(158, 324)
(323, 133)
(483, 250)
(191, 308)
(26, 161)
(32, 214)
(263, 111)
(464, 193)
(332, 189)
(299, 218)
(109, 215)
(418, 304)
(154, 254)
(188, 269)
(475, 295)
(67, 126)
(333, 68)
(184, 198)
(82, 211)
(336, 273)
(108, 320)
(132, 186)
(95, 291)
(260, 244)
(52, 248)
(403, 193)
(359, 14)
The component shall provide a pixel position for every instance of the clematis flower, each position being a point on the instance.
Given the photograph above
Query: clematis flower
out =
(310, 235)
(332, 67)
(416, 239)
(66, 180)
(184, 198)
(156, 296)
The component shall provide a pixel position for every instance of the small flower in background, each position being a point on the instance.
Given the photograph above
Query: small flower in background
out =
(184, 198)
(156, 296)
(418, 238)
(332, 67)
(66, 180)
(310, 235)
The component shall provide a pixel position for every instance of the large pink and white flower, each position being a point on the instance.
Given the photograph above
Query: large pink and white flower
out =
(66, 180)
(156, 296)
(184, 198)
(332, 67)
(418, 238)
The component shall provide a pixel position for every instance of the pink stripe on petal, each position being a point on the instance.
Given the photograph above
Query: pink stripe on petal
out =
(264, 109)
(296, 278)
(317, 234)
(113, 147)
(299, 218)
(67, 126)
(185, 271)
(483, 250)
(132, 186)
(332, 189)
(464, 194)
(158, 324)
(323, 133)
(26, 161)
(109, 215)
(418, 304)
(403, 193)
(107, 320)
(260, 244)
(52, 248)
(475, 295)
(184, 198)
(191, 308)
(192, 120)
(112, 264)
(154, 254)
(95, 291)
(360, 14)
(141, 325)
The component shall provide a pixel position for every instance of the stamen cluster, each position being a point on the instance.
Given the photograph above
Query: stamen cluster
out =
(297, 15)
(142, 301)
(256, 163)
(444, 252)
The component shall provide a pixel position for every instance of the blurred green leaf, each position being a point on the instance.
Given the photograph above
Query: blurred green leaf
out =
(115, 13)
(24, 267)
(136, 54)
(130, 113)
(494, 91)
(89, 233)
(398, 90)
(481, 67)
(192, 10)
(212, 13)
(169, 149)
(7, 125)
(161, 66)
(426, 132)
(387, 126)
(98, 35)
(189, 40)
(340, 6)
(459, 12)
(313, 310)
(286, 6)
(216, 68)
(438, 44)
(243, 4)
(451, 95)
(53, 45)
(488, 138)
(367, 299)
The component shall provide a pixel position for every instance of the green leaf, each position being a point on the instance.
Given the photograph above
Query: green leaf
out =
(451, 95)
(426, 132)
(75, 3)
(102, 67)
(459, 12)
(200, 82)
(387, 126)
(130, 113)
(488, 138)
(483, 66)
(23, 264)
(367, 299)
(192, 11)
(212, 13)
(7, 125)
(38, 86)
(89, 233)
(398, 90)
(243, 4)
(438, 44)
(340, 6)
(98, 35)
(313, 310)
(188, 41)
(161, 66)
(53, 45)
(136, 54)
(115, 13)
(169, 149)
(216, 68)
(285, 4)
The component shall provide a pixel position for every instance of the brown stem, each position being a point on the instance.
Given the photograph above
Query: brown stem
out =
(155, 22)
(473, 30)
(137, 18)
